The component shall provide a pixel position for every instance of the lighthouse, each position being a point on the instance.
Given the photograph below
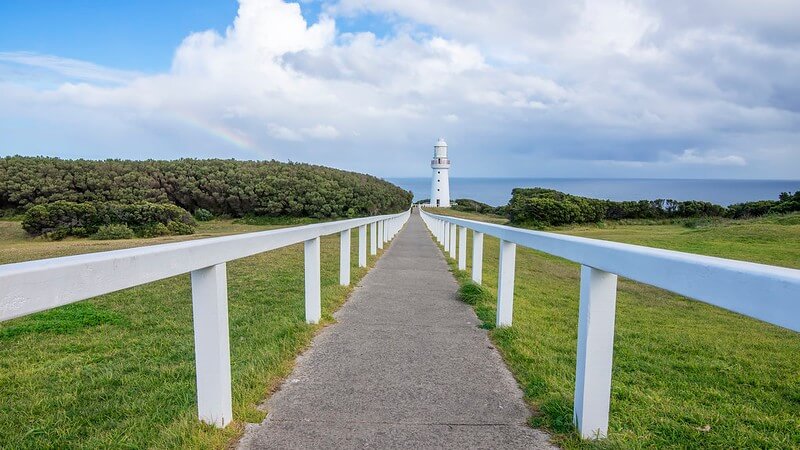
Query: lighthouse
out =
(440, 181)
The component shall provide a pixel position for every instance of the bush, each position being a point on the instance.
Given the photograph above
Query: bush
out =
(222, 187)
(203, 215)
(113, 231)
(152, 230)
(179, 228)
(750, 209)
(546, 207)
(60, 219)
(466, 204)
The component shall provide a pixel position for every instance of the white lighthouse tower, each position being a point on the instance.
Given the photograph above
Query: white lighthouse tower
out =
(440, 182)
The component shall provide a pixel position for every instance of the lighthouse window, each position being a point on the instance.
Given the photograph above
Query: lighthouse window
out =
(437, 190)
(438, 172)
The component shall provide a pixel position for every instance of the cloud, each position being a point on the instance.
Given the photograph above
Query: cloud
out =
(691, 156)
(546, 87)
(283, 133)
(322, 132)
(68, 68)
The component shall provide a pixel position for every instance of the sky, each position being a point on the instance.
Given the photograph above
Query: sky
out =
(519, 88)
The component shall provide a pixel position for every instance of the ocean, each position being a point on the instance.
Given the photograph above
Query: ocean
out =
(497, 191)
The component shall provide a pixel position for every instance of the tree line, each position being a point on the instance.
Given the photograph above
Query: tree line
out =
(548, 207)
(223, 187)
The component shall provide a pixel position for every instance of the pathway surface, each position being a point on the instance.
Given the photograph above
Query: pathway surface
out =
(406, 366)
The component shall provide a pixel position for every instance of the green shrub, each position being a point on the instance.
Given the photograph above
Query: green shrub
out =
(62, 218)
(113, 231)
(466, 204)
(152, 230)
(547, 207)
(223, 187)
(179, 228)
(57, 234)
(203, 215)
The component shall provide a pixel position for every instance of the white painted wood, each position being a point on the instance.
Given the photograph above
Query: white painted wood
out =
(373, 238)
(477, 257)
(362, 246)
(344, 258)
(595, 352)
(380, 234)
(33, 286)
(312, 281)
(763, 292)
(452, 236)
(212, 345)
(505, 283)
(446, 233)
(462, 248)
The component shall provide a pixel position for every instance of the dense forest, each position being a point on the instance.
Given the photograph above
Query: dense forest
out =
(547, 207)
(222, 187)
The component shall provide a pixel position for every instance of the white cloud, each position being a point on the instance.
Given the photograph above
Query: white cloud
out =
(692, 156)
(322, 132)
(69, 68)
(626, 81)
(283, 133)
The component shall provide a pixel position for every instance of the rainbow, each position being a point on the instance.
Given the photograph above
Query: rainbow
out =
(233, 137)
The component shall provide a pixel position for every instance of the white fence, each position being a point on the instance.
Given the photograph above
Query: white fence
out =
(767, 293)
(33, 286)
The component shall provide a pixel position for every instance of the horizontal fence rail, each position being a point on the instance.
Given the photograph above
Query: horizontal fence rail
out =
(34, 286)
(767, 293)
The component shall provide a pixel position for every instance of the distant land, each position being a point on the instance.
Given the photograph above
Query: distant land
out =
(497, 191)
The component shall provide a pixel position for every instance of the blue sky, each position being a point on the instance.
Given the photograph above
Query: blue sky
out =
(136, 35)
(609, 88)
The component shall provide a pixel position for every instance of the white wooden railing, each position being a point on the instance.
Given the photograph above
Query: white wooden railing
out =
(767, 293)
(33, 286)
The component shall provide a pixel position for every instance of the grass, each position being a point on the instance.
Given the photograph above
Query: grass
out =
(686, 374)
(117, 371)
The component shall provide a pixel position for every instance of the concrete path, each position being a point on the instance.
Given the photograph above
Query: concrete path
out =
(406, 366)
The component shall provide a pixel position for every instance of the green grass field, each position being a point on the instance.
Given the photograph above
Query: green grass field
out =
(686, 374)
(117, 371)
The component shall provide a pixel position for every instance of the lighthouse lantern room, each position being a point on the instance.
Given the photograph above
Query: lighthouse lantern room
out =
(440, 181)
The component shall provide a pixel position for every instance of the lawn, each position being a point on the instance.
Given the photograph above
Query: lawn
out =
(686, 374)
(117, 371)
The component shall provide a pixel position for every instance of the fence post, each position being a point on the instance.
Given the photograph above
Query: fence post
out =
(446, 234)
(313, 299)
(344, 257)
(505, 283)
(462, 248)
(453, 233)
(362, 246)
(212, 344)
(373, 238)
(477, 257)
(596, 315)
(380, 234)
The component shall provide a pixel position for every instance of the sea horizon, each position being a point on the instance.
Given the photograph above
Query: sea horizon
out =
(496, 191)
